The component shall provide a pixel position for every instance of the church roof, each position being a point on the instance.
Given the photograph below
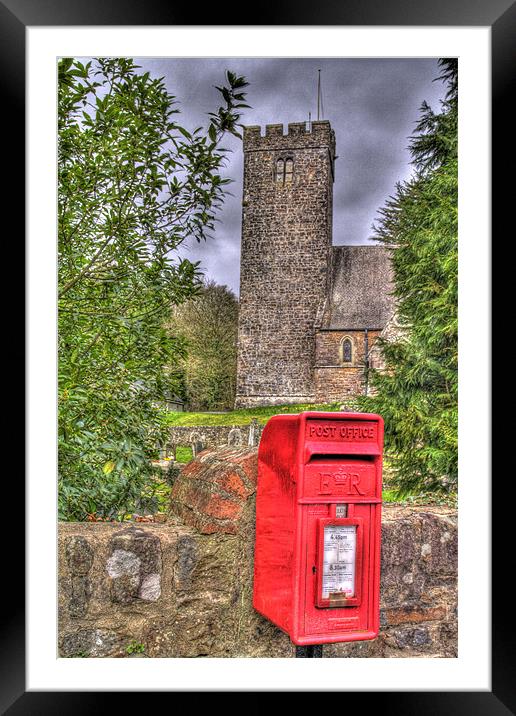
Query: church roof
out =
(361, 288)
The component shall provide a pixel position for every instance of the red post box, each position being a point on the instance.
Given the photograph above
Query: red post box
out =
(318, 524)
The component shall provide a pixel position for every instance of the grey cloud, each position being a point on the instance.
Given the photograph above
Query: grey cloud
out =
(373, 105)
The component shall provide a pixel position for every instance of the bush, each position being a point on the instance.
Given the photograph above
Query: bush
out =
(133, 185)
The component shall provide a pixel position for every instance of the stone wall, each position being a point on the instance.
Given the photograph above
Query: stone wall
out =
(213, 436)
(334, 380)
(340, 383)
(286, 248)
(183, 588)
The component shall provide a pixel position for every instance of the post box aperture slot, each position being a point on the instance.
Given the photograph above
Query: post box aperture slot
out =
(339, 562)
(338, 458)
(324, 451)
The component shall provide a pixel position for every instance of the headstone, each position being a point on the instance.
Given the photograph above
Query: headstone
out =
(253, 433)
(235, 437)
(197, 447)
(197, 443)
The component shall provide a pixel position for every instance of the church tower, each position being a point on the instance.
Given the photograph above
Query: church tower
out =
(285, 261)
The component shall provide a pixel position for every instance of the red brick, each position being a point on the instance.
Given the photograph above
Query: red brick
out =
(211, 491)
(196, 496)
(221, 508)
(232, 482)
(193, 468)
(249, 464)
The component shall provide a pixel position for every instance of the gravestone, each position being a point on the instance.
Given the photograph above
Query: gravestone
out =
(235, 438)
(197, 447)
(253, 439)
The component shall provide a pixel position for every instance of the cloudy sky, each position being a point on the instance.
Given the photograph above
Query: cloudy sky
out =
(372, 104)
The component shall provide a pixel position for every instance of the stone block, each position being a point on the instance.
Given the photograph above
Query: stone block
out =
(92, 643)
(79, 555)
(438, 552)
(134, 566)
(205, 569)
(81, 589)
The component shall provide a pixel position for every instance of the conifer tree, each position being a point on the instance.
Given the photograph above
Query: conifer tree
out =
(417, 392)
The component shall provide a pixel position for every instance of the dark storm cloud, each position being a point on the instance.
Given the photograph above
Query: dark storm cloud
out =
(372, 104)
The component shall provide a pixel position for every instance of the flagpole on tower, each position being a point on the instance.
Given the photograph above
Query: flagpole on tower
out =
(319, 95)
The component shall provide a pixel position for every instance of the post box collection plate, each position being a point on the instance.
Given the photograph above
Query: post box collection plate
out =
(318, 522)
(339, 561)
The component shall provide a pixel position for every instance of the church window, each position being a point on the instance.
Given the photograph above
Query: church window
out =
(280, 171)
(346, 350)
(284, 171)
(289, 171)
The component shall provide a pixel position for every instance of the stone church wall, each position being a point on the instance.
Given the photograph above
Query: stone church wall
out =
(333, 380)
(334, 384)
(286, 244)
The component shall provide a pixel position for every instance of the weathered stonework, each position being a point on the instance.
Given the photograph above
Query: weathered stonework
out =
(296, 289)
(211, 492)
(334, 379)
(79, 557)
(285, 255)
(182, 592)
(134, 567)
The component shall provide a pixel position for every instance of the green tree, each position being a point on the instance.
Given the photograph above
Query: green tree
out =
(417, 392)
(133, 184)
(208, 326)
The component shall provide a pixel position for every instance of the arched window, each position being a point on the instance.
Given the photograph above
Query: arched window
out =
(346, 350)
(289, 171)
(280, 172)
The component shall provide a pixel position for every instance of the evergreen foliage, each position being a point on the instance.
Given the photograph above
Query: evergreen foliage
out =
(417, 393)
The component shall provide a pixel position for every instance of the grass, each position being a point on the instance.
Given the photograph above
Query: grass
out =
(243, 416)
(184, 454)
(423, 498)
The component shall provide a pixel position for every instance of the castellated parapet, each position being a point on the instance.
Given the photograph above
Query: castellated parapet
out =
(299, 135)
(285, 260)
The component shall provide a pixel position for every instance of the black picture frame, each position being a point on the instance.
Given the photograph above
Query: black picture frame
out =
(500, 16)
